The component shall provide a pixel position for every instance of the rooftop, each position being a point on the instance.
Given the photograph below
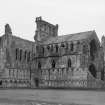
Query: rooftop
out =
(69, 37)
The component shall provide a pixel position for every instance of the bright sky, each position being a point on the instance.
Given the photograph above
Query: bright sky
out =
(72, 16)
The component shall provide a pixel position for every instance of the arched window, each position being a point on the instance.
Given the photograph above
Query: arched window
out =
(25, 55)
(92, 70)
(102, 74)
(62, 45)
(28, 56)
(1, 82)
(48, 47)
(56, 46)
(43, 50)
(93, 49)
(78, 45)
(17, 52)
(85, 49)
(69, 62)
(51, 48)
(20, 55)
(38, 49)
(66, 46)
(39, 65)
(53, 64)
(72, 46)
(78, 42)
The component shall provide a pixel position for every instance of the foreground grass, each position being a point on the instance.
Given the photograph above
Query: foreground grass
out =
(29, 102)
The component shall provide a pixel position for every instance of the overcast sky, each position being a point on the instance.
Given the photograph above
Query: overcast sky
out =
(72, 16)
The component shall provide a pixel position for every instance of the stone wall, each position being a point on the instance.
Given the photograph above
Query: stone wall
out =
(85, 61)
(18, 58)
(65, 68)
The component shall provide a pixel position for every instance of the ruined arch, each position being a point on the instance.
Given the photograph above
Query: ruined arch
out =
(92, 70)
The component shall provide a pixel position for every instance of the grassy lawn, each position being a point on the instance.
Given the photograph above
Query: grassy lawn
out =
(51, 97)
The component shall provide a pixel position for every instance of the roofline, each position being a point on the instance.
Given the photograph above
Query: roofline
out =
(77, 33)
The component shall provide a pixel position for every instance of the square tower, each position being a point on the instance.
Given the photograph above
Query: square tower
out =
(44, 30)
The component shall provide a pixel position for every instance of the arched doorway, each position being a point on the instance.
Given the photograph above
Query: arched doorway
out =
(92, 70)
(36, 82)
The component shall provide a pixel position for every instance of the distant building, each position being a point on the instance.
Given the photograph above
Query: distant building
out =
(52, 61)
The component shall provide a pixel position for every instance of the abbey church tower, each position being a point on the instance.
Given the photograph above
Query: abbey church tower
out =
(44, 30)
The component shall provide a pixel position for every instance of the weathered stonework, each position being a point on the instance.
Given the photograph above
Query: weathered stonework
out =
(15, 57)
(73, 60)
(52, 61)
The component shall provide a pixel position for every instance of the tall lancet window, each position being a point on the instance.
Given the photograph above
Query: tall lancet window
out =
(69, 62)
(53, 64)
(39, 65)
